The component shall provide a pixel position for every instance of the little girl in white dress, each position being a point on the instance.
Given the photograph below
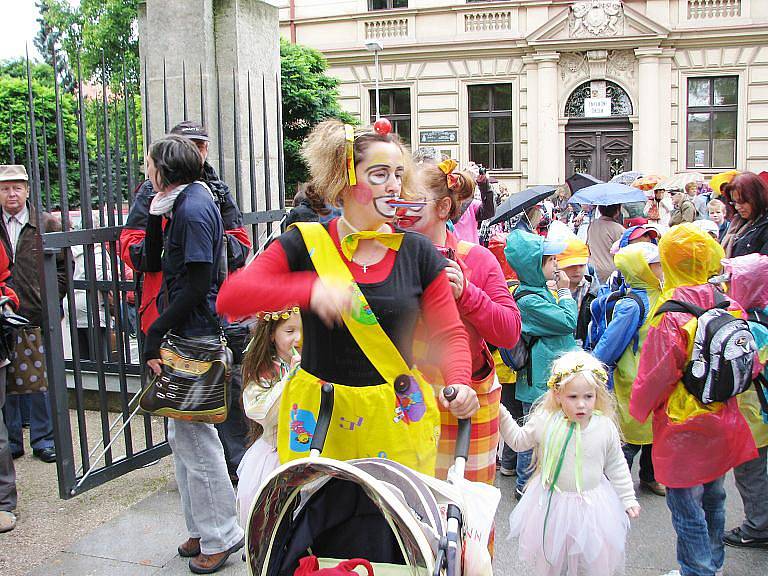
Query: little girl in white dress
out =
(574, 515)
(269, 359)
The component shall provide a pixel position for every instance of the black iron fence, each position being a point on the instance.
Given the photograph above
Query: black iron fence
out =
(92, 338)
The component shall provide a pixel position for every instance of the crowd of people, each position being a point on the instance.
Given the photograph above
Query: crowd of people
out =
(570, 348)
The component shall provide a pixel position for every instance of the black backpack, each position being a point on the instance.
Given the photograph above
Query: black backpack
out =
(723, 351)
(520, 356)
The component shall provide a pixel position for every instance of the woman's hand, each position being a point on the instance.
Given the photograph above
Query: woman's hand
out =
(465, 404)
(633, 511)
(455, 278)
(330, 302)
(156, 365)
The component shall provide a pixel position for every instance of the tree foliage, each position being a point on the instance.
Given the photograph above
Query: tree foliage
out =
(101, 33)
(47, 41)
(309, 96)
(14, 106)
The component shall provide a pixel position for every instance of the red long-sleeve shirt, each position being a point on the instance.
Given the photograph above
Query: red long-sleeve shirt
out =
(278, 279)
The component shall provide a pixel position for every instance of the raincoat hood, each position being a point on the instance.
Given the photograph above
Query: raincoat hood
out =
(524, 253)
(689, 257)
(637, 273)
(747, 283)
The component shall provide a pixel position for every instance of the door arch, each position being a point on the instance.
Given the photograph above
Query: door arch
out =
(600, 146)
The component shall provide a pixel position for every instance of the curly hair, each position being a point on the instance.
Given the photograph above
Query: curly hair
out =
(325, 150)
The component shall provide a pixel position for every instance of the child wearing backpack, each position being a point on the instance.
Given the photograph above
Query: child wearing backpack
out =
(748, 287)
(620, 345)
(547, 320)
(695, 441)
(574, 516)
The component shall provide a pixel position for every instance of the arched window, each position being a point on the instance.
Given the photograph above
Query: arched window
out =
(621, 105)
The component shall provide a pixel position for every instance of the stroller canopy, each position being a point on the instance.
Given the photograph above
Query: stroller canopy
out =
(306, 500)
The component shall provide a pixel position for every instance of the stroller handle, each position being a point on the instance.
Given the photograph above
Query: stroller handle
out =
(464, 432)
(323, 419)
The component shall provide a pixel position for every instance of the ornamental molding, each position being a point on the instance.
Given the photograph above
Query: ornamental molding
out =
(596, 18)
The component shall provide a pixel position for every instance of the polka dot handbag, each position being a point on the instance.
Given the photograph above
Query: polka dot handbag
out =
(26, 372)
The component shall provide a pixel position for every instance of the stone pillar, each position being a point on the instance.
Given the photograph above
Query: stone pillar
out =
(650, 145)
(549, 154)
(665, 111)
(214, 51)
(532, 117)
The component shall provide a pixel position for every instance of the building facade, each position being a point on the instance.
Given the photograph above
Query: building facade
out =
(539, 89)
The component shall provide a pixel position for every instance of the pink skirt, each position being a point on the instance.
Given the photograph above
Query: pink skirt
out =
(585, 533)
(258, 462)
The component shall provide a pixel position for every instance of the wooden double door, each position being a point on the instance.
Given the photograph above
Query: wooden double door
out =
(601, 147)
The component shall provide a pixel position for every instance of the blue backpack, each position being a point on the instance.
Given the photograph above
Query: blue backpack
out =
(601, 314)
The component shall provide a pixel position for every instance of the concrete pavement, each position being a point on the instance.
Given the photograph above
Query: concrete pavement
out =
(143, 540)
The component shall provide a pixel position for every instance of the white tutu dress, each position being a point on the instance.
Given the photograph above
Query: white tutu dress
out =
(582, 528)
(261, 403)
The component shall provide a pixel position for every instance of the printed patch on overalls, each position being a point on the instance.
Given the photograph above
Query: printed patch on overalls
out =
(409, 401)
(302, 429)
(361, 311)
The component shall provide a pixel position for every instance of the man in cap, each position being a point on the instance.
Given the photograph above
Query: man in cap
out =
(7, 470)
(233, 432)
(17, 235)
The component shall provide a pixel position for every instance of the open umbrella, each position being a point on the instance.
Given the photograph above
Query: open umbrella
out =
(521, 201)
(647, 183)
(679, 180)
(608, 193)
(579, 181)
(626, 177)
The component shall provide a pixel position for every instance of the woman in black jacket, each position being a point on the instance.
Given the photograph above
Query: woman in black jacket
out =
(748, 233)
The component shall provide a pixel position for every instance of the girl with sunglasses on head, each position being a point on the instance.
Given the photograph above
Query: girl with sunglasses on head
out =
(487, 309)
(361, 286)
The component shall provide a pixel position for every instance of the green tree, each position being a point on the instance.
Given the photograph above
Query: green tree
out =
(309, 96)
(94, 30)
(48, 39)
(13, 119)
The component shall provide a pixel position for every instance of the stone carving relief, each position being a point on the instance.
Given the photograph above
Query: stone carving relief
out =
(573, 65)
(621, 64)
(596, 18)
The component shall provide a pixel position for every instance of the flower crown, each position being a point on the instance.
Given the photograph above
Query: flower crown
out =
(558, 377)
(447, 167)
(278, 315)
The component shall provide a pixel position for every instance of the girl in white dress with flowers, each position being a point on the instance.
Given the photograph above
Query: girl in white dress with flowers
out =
(574, 515)
(269, 359)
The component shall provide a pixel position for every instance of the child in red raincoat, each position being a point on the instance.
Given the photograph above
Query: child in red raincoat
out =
(694, 444)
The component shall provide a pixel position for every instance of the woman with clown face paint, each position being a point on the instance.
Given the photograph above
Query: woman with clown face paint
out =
(486, 307)
(361, 286)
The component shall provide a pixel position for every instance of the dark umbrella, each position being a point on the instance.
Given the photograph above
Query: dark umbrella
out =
(579, 181)
(521, 201)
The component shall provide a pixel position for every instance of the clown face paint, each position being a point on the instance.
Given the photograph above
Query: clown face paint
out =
(379, 175)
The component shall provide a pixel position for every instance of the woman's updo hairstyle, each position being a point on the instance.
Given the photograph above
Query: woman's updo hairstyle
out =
(325, 151)
(436, 184)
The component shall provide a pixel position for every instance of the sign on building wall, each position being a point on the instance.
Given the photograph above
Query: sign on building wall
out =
(597, 107)
(438, 136)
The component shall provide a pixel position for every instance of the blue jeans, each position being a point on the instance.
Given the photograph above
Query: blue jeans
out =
(207, 496)
(524, 458)
(698, 516)
(40, 425)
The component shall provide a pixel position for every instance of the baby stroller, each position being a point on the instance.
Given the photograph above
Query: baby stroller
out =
(403, 522)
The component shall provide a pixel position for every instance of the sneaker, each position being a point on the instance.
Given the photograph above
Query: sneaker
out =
(518, 494)
(654, 487)
(7, 521)
(507, 471)
(738, 539)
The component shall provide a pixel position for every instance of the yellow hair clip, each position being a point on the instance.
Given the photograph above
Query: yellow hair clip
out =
(448, 165)
(349, 134)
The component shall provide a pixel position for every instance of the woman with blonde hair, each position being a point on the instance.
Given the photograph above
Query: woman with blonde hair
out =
(361, 286)
(486, 307)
